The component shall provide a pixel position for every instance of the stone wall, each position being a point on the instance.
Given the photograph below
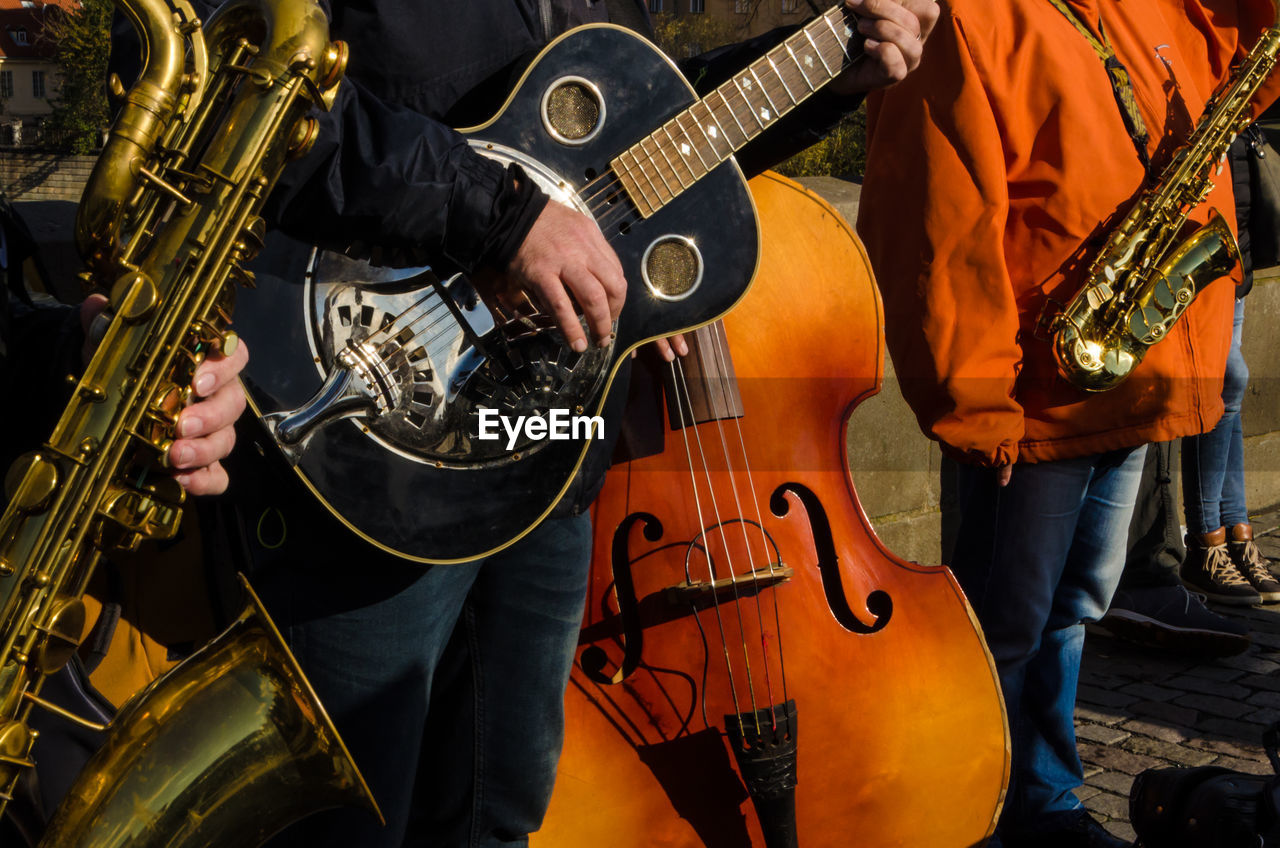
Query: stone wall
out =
(43, 176)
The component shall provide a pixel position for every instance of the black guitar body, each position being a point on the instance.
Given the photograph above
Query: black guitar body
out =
(380, 416)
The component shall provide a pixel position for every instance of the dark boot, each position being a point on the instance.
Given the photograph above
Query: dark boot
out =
(1208, 569)
(1172, 619)
(1252, 564)
(1074, 829)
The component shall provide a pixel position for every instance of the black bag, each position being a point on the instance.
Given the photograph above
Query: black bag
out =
(1264, 184)
(1208, 807)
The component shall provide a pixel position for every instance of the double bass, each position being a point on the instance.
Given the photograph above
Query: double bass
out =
(738, 587)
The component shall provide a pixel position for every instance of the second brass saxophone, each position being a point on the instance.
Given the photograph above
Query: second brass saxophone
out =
(1146, 276)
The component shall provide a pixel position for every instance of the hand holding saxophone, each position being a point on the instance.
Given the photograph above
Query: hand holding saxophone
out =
(205, 429)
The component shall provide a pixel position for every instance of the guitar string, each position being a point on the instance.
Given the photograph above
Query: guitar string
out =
(610, 180)
(420, 337)
(722, 357)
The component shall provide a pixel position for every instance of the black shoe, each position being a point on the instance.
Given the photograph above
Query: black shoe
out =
(1208, 569)
(1172, 619)
(1076, 829)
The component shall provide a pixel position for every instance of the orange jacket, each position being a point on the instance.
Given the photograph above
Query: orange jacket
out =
(988, 171)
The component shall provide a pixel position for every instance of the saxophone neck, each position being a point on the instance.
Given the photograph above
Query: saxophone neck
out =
(169, 33)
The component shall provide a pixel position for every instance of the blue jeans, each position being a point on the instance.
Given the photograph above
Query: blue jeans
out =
(459, 744)
(1037, 560)
(1213, 462)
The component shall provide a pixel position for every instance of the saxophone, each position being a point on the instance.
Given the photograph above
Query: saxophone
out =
(232, 744)
(1147, 274)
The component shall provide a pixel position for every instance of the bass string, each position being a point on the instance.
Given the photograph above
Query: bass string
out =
(722, 357)
(704, 352)
(718, 352)
(735, 579)
(735, 575)
(682, 388)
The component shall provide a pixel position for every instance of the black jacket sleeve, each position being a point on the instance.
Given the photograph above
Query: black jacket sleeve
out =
(402, 188)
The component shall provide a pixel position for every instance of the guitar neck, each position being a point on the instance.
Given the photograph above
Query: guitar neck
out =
(659, 167)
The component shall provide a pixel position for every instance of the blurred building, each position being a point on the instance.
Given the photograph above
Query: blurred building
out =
(745, 17)
(28, 77)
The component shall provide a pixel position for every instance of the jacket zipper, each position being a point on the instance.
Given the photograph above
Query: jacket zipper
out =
(1257, 141)
(544, 8)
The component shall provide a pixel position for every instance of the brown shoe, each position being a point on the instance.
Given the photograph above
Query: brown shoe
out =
(1252, 564)
(1208, 569)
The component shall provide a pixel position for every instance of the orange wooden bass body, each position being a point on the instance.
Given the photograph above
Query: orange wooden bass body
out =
(900, 731)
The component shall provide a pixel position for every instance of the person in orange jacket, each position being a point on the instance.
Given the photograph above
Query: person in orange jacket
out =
(994, 174)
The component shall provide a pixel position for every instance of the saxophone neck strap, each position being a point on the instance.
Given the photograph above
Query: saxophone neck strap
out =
(1118, 75)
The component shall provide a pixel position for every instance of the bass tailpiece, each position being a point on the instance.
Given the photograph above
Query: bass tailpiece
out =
(764, 745)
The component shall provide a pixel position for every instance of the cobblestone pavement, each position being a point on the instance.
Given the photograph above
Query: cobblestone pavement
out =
(1139, 708)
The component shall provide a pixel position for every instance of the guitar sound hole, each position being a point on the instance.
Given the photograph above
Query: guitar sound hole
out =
(672, 267)
(572, 110)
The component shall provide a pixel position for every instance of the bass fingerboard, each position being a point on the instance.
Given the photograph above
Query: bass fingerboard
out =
(662, 165)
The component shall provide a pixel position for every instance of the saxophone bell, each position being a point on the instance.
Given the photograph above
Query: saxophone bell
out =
(226, 749)
(1097, 342)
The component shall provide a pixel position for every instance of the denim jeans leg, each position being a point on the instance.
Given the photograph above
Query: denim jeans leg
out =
(1037, 559)
(369, 636)
(1233, 509)
(1206, 473)
(1092, 572)
(522, 623)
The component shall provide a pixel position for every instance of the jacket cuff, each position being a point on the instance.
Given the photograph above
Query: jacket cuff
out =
(519, 205)
(491, 211)
(998, 457)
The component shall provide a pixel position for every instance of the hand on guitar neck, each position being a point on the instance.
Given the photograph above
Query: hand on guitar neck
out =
(895, 32)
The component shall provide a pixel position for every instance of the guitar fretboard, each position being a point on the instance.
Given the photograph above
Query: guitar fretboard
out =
(684, 149)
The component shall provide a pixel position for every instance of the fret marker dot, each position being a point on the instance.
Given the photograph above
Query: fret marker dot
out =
(764, 113)
(848, 32)
(684, 150)
(711, 130)
(808, 60)
(746, 83)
